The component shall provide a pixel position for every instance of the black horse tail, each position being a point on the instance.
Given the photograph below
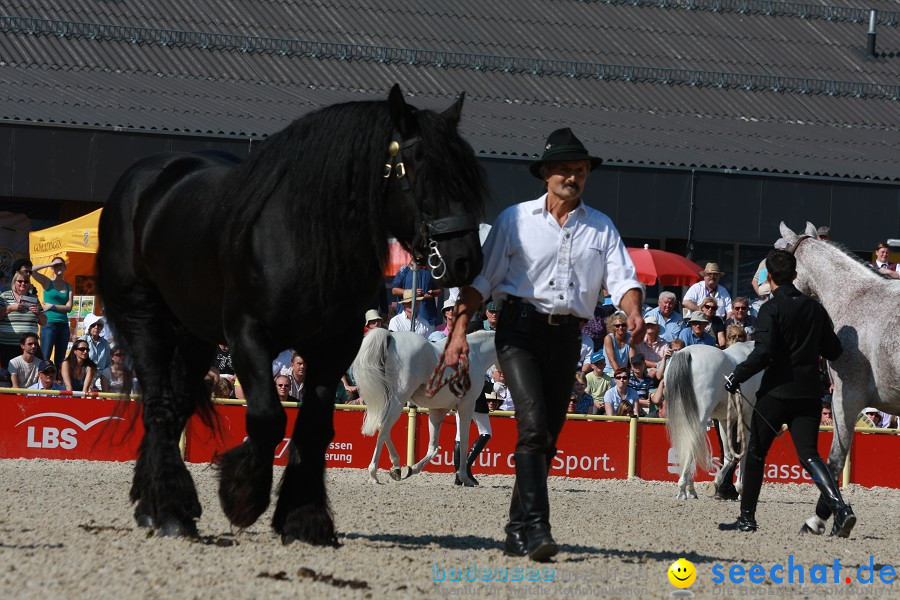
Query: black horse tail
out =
(372, 372)
(686, 434)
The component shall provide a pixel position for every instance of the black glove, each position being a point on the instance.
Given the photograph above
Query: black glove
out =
(731, 386)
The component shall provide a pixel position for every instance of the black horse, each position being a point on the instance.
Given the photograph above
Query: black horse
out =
(284, 250)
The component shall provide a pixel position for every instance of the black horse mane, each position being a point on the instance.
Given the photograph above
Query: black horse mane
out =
(326, 168)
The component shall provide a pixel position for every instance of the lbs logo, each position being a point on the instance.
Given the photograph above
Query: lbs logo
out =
(54, 437)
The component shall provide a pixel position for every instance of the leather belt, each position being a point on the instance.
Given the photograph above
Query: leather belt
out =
(531, 312)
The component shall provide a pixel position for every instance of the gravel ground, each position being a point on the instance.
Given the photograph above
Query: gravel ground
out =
(66, 531)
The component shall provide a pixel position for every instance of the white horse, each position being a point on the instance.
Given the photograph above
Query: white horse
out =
(862, 305)
(392, 368)
(695, 392)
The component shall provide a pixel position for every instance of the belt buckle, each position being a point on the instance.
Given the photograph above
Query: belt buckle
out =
(550, 321)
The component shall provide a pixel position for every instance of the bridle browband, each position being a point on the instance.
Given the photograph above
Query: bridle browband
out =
(427, 229)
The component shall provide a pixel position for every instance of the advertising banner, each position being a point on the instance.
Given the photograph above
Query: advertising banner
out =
(68, 428)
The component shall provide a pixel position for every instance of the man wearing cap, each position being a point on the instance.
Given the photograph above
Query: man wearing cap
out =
(695, 332)
(793, 332)
(823, 233)
(402, 321)
(46, 377)
(709, 288)
(23, 369)
(491, 314)
(546, 261)
(425, 287)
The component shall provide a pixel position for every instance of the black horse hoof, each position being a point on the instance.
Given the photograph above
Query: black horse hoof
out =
(395, 474)
(176, 528)
(245, 485)
(144, 521)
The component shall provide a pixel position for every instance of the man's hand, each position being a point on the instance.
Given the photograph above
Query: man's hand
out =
(731, 386)
(457, 346)
(636, 327)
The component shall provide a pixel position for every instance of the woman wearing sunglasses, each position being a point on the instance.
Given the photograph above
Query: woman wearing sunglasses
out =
(57, 304)
(616, 345)
(20, 313)
(620, 393)
(78, 370)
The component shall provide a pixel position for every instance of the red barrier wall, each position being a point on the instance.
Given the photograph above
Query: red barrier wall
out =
(69, 428)
(92, 429)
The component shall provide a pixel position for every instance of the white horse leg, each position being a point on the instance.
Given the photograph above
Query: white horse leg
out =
(435, 418)
(373, 466)
(686, 489)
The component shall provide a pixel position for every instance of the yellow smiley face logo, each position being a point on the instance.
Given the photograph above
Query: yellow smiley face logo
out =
(682, 573)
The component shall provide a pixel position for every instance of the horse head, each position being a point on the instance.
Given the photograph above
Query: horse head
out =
(803, 282)
(435, 190)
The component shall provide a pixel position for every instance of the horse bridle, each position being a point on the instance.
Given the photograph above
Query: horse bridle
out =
(427, 229)
(796, 245)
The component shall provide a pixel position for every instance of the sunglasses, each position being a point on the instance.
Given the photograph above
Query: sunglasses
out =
(80, 349)
(740, 308)
(617, 325)
(622, 377)
(283, 385)
(710, 306)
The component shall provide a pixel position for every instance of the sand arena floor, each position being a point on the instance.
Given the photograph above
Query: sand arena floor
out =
(66, 531)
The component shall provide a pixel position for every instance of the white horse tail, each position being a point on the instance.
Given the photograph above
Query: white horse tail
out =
(686, 434)
(371, 370)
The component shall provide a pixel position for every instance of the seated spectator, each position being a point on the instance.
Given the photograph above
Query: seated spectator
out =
(446, 311)
(669, 320)
(674, 346)
(491, 314)
(580, 402)
(734, 334)
(616, 345)
(46, 377)
(878, 418)
(297, 375)
(716, 326)
(658, 399)
(587, 348)
(403, 320)
(373, 321)
(826, 419)
(78, 370)
(283, 389)
(620, 393)
(641, 382)
(119, 370)
(653, 347)
(741, 316)
(23, 369)
(709, 288)
(882, 263)
(98, 347)
(504, 398)
(696, 331)
(598, 382)
(222, 388)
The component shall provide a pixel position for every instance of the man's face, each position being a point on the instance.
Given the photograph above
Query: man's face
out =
(599, 366)
(46, 378)
(666, 306)
(407, 308)
(740, 310)
(491, 317)
(298, 368)
(282, 387)
(638, 368)
(712, 280)
(566, 179)
(29, 346)
(882, 254)
(698, 328)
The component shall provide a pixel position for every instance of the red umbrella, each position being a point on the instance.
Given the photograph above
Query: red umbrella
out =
(667, 267)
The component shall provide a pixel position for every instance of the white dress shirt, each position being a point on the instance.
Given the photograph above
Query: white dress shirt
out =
(401, 322)
(697, 293)
(558, 269)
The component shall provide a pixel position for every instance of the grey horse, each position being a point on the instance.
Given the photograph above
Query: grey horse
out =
(863, 306)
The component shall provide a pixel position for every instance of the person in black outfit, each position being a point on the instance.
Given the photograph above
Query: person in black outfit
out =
(793, 331)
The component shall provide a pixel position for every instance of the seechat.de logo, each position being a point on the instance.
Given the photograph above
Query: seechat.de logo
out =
(47, 436)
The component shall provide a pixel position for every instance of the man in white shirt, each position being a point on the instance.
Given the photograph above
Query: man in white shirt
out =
(23, 369)
(709, 288)
(545, 262)
(403, 320)
(46, 377)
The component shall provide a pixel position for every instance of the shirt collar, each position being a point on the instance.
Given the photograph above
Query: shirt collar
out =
(540, 207)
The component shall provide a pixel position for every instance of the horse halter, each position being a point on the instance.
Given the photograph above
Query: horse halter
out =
(424, 242)
(796, 245)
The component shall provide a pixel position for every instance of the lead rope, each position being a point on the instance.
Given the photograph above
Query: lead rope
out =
(458, 382)
(734, 402)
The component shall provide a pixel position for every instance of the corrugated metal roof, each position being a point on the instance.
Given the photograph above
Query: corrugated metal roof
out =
(99, 80)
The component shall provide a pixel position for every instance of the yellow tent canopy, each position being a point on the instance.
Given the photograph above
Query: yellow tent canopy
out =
(76, 241)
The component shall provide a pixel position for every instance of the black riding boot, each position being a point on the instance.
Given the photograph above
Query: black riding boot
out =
(516, 544)
(458, 481)
(844, 519)
(531, 478)
(477, 447)
(745, 522)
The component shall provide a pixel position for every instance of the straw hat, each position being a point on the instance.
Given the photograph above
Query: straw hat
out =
(407, 297)
(712, 268)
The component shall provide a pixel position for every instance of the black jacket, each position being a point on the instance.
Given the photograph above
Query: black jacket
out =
(792, 331)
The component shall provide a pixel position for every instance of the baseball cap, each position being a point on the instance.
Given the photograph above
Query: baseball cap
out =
(46, 365)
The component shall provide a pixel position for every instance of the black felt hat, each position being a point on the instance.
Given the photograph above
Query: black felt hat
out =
(562, 145)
